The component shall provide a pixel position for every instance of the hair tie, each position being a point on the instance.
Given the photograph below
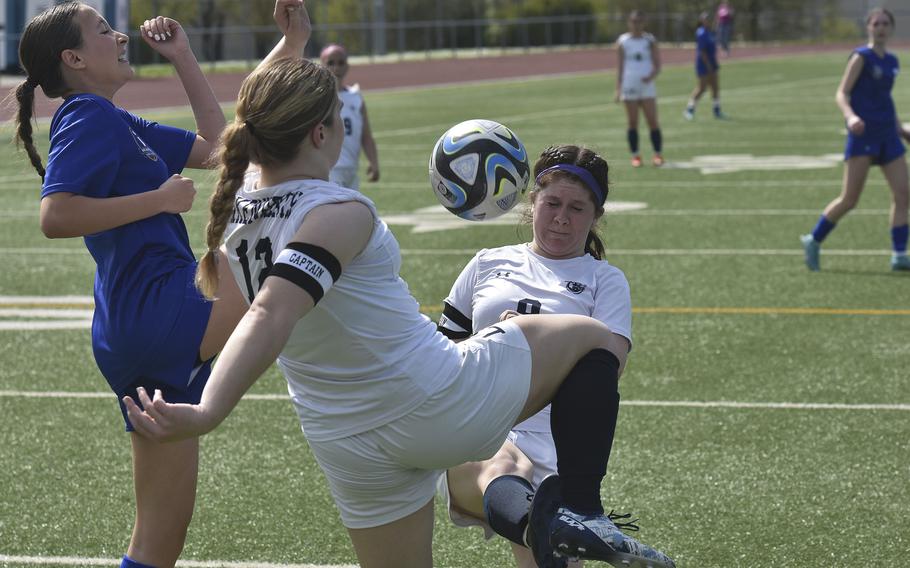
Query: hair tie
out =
(249, 125)
(31, 83)
(582, 173)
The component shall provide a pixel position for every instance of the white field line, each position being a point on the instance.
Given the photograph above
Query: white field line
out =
(82, 561)
(638, 212)
(644, 403)
(610, 252)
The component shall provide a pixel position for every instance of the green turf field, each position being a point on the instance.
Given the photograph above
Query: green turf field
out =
(766, 409)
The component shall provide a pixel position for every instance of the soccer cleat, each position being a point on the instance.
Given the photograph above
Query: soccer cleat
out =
(636, 162)
(812, 249)
(689, 114)
(543, 508)
(900, 261)
(719, 115)
(596, 537)
(657, 160)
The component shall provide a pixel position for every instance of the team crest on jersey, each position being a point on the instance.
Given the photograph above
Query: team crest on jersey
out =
(144, 148)
(575, 287)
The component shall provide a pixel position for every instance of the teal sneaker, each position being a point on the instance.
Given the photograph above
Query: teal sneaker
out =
(812, 249)
(900, 261)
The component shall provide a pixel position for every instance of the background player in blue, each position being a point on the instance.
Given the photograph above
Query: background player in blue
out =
(375, 385)
(706, 68)
(113, 179)
(873, 137)
(561, 271)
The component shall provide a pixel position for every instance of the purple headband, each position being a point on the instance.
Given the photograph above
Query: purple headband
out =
(585, 176)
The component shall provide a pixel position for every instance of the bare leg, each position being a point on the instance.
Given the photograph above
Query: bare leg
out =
(557, 343)
(649, 107)
(405, 543)
(855, 172)
(468, 481)
(713, 84)
(227, 310)
(165, 483)
(631, 114)
(895, 172)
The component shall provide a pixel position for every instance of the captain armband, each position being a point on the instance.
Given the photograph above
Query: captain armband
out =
(311, 267)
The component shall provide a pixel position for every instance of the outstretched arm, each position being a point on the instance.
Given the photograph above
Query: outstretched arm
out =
(343, 229)
(166, 36)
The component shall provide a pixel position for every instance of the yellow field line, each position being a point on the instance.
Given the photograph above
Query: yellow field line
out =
(645, 310)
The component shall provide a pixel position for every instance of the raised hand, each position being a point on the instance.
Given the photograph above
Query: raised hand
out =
(293, 21)
(166, 36)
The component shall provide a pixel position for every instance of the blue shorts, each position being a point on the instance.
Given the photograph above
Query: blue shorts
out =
(161, 352)
(701, 70)
(882, 148)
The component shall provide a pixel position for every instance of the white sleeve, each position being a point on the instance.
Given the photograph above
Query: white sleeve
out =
(613, 301)
(458, 306)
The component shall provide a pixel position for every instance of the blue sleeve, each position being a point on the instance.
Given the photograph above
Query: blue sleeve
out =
(173, 145)
(84, 157)
(701, 40)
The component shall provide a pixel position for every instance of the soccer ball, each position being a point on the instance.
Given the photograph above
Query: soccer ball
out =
(479, 169)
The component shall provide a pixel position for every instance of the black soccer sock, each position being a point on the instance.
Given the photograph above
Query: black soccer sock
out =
(632, 137)
(506, 502)
(657, 140)
(583, 419)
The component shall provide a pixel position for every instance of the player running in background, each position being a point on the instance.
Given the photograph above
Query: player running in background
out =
(724, 18)
(561, 271)
(376, 387)
(113, 179)
(873, 138)
(357, 132)
(638, 65)
(706, 68)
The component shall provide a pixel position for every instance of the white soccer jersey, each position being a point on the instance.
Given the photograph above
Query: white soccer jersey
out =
(637, 60)
(352, 117)
(515, 278)
(364, 355)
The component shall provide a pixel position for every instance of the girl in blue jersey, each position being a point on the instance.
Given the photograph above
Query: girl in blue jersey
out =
(873, 137)
(706, 67)
(114, 179)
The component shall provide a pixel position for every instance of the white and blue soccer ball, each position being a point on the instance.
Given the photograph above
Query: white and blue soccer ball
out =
(479, 169)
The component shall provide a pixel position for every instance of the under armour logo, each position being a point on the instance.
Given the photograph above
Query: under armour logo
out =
(571, 522)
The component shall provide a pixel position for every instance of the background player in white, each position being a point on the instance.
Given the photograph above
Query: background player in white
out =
(561, 271)
(374, 384)
(357, 132)
(638, 63)
(874, 135)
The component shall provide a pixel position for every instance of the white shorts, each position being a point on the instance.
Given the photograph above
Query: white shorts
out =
(537, 446)
(382, 475)
(345, 177)
(634, 89)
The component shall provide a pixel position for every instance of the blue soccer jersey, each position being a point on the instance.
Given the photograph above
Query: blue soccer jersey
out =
(704, 42)
(143, 281)
(871, 95)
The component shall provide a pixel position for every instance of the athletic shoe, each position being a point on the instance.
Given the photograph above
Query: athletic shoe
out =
(812, 249)
(900, 262)
(719, 115)
(689, 114)
(657, 160)
(543, 508)
(636, 162)
(596, 537)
